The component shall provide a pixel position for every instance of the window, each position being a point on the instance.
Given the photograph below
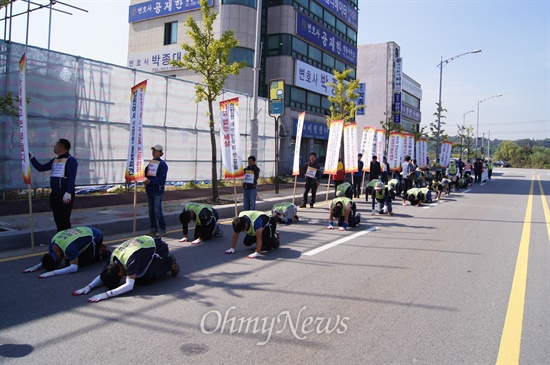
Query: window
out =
(299, 46)
(328, 60)
(240, 54)
(330, 19)
(170, 33)
(249, 3)
(315, 54)
(314, 99)
(316, 9)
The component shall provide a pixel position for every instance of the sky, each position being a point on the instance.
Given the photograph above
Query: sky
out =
(514, 37)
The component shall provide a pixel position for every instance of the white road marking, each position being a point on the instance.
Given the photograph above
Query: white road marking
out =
(336, 243)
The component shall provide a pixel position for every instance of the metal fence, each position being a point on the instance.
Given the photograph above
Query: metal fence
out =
(88, 103)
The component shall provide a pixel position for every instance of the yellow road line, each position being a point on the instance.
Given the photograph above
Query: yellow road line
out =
(545, 208)
(510, 342)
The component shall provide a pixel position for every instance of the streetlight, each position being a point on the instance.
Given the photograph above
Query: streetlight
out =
(463, 126)
(441, 64)
(477, 124)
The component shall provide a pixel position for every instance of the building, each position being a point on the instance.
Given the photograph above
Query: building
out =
(302, 42)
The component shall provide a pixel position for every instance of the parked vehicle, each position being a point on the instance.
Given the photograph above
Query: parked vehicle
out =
(501, 164)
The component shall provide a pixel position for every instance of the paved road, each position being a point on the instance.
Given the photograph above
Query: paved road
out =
(462, 281)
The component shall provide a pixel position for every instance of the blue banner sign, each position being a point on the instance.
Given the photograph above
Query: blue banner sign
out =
(361, 99)
(410, 113)
(324, 39)
(397, 108)
(343, 10)
(154, 9)
(311, 130)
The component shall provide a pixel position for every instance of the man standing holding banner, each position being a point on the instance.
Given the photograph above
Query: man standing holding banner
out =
(229, 132)
(134, 163)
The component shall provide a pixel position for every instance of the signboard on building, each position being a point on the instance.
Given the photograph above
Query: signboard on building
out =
(157, 8)
(324, 39)
(361, 100)
(311, 130)
(313, 79)
(155, 60)
(343, 10)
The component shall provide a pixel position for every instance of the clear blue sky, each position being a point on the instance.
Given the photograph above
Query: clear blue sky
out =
(514, 37)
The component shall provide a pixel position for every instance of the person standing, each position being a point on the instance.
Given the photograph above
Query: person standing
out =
(250, 184)
(375, 169)
(478, 170)
(358, 176)
(385, 166)
(313, 179)
(406, 168)
(490, 168)
(62, 182)
(155, 179)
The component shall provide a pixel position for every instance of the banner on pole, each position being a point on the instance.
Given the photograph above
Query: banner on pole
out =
(229, 135)
(422, 153)
(408, 145)
(445, 156)
(395, 151)
(380, 144)
(350, 148)
(134, 164)
(333, 148)
(299, 128)
(23, 142)
(368, 146)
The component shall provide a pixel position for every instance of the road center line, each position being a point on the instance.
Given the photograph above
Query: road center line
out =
(340, 241)
(510, 342)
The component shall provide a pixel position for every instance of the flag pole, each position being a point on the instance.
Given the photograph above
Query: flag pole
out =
(135, 204)
(328, 187)
(30, 216)
(294, 192)
(235, 195)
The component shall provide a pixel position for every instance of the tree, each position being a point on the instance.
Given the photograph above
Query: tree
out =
(343, 102)
(7, 104)
(389, 126)
(4, 3)
(466, 135)
(433, 127)
(507, 151)
(209, 57)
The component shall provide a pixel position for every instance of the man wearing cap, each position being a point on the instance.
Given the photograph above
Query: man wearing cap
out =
(155, 178)
(62, 182)
(382, 196)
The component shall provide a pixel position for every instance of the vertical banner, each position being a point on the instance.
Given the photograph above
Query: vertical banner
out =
(134, 164)
(299, 129)
(380, 143)
(368, 146)
(229, 136)
(422, 153)
(397, 88)
(408, 145)
(350, 148)
(333, 148)
(445, 156)
(361, 101)
(25, 161)
(395, 151)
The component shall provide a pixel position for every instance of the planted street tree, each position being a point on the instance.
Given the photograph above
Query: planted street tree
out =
(209, 57)
(343, 102)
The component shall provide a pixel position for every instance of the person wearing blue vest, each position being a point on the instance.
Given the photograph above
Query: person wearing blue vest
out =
(143, 260)
(62, 182)
(77, 246)
(344, 210)
(259, 229)
(206, 222)
(155, 179)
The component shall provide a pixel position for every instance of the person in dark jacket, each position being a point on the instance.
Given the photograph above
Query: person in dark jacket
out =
(358, 176)
(155, 179)
(375, 169)
(478, 169)
(62, 182)
(313, 179)
(250, 184)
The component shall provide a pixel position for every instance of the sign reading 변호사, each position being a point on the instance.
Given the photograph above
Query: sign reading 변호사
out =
(157, 8)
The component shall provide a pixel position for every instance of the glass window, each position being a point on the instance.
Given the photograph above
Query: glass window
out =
(315, 54)
(313, 99)
(328, 60)
(330, 19)
(325, 103)
(303, 3)
(249, 3)
(341, 26)
(239, 54)
(316, 9)
(170, 33)
(299, 46)
(339, 65)
(352, 34)
(298, 95)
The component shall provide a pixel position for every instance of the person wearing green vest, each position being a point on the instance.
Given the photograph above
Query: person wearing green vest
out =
(344, 210)
(345, 189)
(453, 174)
(78, 246)
(206, 222)
(394, 185)
(417, 196)
(143, 260)
(285, 212)
(490, 169)
(259, 229)
(383, 197)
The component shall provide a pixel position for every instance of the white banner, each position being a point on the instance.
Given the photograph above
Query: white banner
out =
(134, 164)
(299, 128)
(445, 156)
(25, 161)
(313, 79)
(350, 148)
(229, 138)
(368, 146)
(408, 145)
(333, 148)
(380, 143)
(395, 151)
(422, 153)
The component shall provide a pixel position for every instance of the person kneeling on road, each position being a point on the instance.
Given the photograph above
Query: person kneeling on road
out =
(285, 212)
(383, 197)
(417, 196)
(259, 228)
(142, 260)
(344, 210)
(206, 222)
(78, 246)
(345, 189)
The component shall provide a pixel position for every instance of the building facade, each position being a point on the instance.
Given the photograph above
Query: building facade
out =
(302, 42)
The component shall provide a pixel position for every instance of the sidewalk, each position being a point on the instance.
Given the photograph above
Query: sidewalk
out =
(15, 232)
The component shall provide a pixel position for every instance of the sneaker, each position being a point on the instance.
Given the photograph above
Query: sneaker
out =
(311, 205)
(302, 206)
(161, 233)
(174, 267)
(390, 213)
(153, 232)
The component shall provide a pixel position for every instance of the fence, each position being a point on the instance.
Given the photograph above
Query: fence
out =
(88, 103)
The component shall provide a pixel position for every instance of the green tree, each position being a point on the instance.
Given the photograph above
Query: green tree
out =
(507, 151)
(343, 102)
(209, 57)
(5, 3)
(8, 104)
(432, 137)
(466, 135)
